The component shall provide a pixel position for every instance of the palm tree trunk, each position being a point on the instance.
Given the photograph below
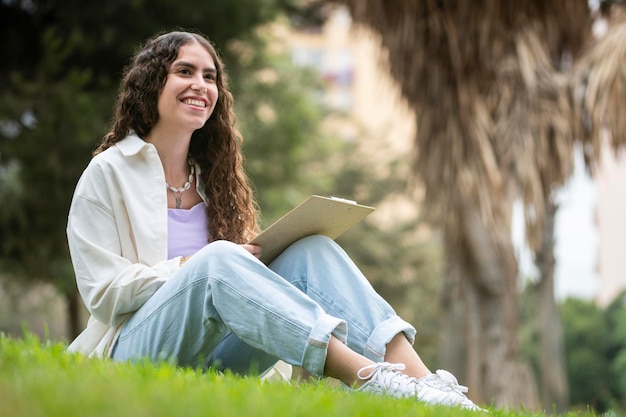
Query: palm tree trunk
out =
(481, 317)
(552, 373)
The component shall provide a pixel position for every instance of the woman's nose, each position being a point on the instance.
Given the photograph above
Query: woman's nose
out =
(199, 87)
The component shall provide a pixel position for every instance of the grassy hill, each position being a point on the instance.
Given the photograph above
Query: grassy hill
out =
(41, 380)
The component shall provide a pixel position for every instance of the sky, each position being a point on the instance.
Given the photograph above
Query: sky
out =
(576, 238)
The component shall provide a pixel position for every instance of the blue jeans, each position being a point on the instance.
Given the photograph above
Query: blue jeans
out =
(226, 309)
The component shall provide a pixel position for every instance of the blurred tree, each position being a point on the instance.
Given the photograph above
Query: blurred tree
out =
(594, 352)
(499, 109)
(529, 333)
(56, 121)
(588, 366)
(616, 324)
(103, 35)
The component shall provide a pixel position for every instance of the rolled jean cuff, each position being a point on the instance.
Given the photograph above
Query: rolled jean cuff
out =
(376, 345)
(314, 356)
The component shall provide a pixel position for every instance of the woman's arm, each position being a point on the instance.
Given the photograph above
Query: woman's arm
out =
(107, 247)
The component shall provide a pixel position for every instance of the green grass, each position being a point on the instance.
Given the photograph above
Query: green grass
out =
(42, 380)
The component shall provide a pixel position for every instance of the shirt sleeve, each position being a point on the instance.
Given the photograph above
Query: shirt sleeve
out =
(111, 285)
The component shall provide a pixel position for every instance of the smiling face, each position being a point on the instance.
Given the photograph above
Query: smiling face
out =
(190, 93)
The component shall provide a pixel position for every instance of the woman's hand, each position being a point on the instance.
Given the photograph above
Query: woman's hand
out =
(184, 259)
(255, 250)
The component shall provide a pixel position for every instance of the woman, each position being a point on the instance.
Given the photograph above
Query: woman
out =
(158, 230)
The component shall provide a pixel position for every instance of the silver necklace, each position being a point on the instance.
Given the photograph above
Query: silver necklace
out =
(185, 187)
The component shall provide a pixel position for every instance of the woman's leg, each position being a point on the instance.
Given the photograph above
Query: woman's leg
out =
(321, 269)
(399, 350)
(234, 354)
(223, 288)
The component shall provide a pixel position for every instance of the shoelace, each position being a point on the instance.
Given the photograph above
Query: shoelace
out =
(389, 376)
(377, 366)
(445, 381)
(450, 381)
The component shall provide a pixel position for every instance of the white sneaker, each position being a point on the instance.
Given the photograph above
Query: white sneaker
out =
(443, 388)
(438, 388)
(386, 379)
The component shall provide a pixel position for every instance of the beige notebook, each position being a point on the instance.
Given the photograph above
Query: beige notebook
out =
(328, 216)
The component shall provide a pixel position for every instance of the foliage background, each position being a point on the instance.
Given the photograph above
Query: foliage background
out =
(595, 346)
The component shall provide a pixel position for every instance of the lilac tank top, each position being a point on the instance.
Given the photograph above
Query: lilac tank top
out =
(187, 230)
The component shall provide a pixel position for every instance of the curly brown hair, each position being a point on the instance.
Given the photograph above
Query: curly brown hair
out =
(216, 147)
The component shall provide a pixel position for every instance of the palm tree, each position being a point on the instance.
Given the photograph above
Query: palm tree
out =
(500, 101)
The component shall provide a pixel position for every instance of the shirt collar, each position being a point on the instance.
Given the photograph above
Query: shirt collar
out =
(132, 145)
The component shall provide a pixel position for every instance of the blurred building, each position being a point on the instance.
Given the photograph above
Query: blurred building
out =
(367, 108)
(611, 226)
(610, 214)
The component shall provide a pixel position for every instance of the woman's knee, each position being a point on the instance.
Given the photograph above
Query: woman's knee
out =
(220, 257)
(304, 251)
(221, 249)
(314, 243)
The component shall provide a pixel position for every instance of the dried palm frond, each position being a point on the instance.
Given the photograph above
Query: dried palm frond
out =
(533, 121)
(486, 81)
(599, 90)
